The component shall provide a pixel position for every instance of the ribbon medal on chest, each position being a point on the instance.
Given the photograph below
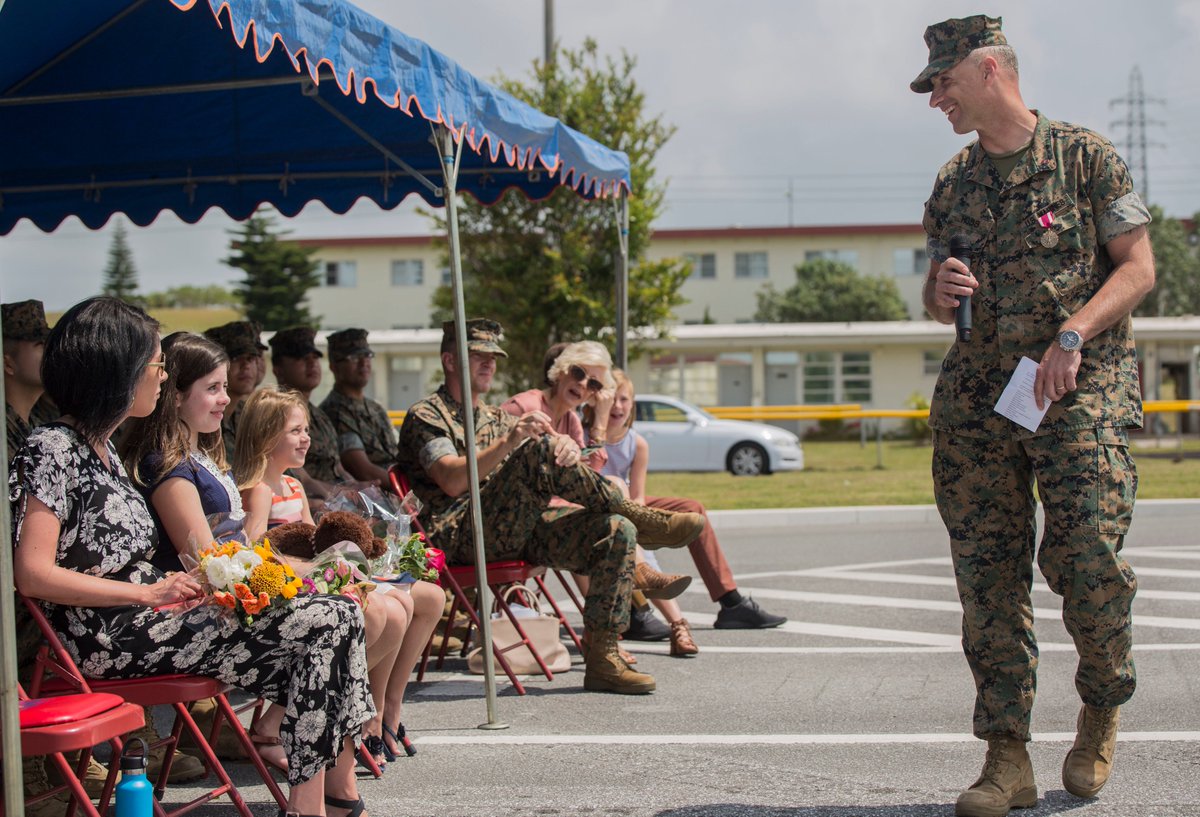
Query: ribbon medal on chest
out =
(1049, 237)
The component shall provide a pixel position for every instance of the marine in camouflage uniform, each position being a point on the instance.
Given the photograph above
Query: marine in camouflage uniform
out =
(515, 500)
(1041, 235)
(322, 461)
(361, 423)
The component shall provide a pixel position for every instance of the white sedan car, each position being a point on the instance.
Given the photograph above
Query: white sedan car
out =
(684, 437)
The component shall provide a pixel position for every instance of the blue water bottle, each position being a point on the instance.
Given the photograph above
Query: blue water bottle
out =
(135, 795)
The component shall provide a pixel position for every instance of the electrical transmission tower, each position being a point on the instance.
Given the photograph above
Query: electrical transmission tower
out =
(1135, 146)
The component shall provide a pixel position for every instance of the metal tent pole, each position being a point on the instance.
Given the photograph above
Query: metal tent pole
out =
(10, 741)
(451, 154)
(621, 211)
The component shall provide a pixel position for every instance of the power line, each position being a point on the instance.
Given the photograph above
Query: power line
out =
(1135, 129)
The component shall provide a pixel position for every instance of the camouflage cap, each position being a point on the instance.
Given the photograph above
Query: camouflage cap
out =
(347, 343)
(952, 40)
(483, 335)
(237, 338)
(24, 320)
(297, 341)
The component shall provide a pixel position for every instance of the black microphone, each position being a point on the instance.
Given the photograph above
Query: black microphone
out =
(960, 248)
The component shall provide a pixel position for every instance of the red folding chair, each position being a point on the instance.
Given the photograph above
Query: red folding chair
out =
(69, 723)
(56, 674)
(459, 578)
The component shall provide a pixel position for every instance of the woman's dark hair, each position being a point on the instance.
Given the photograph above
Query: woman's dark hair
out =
(93, 360)
(189, 357)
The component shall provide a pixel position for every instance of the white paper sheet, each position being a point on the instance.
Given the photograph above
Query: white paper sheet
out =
(1016, 402)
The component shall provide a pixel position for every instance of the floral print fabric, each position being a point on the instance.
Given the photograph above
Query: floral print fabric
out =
(308, 656)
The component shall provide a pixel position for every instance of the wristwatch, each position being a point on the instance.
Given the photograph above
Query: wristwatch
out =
(1069, 340)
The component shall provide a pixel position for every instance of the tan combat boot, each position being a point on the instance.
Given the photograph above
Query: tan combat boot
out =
(184, 768)
(1006, 782)
(661, 529)
(1089, 763)
(656, 585)
(607, 671)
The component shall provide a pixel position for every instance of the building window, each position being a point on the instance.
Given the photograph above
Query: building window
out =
(446, 277)
(341, 274)
(750, 265)
(704, 265)
(932, 362)
(910, 261)
(409, 272)
(849, 257)
(832, 377)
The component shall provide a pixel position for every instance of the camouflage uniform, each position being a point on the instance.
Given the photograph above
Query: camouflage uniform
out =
(322, 460)
(229, 424)
(1035, 271)
(362, 424)
(515, 501)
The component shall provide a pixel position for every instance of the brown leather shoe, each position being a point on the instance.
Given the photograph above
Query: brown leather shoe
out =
(1089, 763)
(681, 639)
(607, 671)
(661, 529)
(1006, 782)
(656, 585)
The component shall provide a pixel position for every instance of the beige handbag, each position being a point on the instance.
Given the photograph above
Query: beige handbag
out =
(544, 633)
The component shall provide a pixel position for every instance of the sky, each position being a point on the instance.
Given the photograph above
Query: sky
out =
(766, 96)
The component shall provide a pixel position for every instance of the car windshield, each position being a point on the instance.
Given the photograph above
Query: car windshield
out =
(660, 411)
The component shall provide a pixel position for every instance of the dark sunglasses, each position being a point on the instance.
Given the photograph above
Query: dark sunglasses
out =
(580, 376)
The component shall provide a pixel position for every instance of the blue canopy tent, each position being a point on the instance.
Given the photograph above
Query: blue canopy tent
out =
(141, 106)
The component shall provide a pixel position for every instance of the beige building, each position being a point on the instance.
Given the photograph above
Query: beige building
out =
(387, 282)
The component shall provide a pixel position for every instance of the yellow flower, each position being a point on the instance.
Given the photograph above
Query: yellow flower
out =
(289, 591)
(267, 578)
(264, 550)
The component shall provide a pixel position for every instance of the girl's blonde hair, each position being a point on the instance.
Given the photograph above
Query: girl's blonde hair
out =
(581, 353)
(621, 381)
(262, 424)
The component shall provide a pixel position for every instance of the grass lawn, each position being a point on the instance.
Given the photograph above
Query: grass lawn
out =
(844, 473)
(180, 320)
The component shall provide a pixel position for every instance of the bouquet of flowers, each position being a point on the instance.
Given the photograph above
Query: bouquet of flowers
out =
(341, 569)
(410, 555)
(246, 579)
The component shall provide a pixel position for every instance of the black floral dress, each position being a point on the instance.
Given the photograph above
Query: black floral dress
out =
(308, 656)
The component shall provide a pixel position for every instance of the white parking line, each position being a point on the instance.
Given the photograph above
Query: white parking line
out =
(508, 739)
(1043, 646)
(945, 581)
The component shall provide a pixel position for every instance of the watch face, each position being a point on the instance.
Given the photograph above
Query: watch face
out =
(1070, 340)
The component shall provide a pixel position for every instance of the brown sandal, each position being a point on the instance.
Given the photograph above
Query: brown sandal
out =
(681, 639)
(266, 740)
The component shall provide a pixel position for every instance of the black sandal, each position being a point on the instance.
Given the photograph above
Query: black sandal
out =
(354, 807)
(400, 738)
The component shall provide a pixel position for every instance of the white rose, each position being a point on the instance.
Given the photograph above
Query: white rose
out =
(247, 560)
(219, 570)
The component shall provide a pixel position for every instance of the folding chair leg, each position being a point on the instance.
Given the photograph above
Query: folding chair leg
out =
(225, 709)
(525, 641)
(558, 612)
(227, 786)
(79, 797)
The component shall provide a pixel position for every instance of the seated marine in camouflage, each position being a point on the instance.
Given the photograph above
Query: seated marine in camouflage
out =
(366, 438)
(523, 463)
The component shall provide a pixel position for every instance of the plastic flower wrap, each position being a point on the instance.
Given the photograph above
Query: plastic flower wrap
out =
(246, 579)
(341, 569)
(411, 556)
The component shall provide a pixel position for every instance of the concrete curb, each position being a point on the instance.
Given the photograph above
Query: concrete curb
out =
(743, 520)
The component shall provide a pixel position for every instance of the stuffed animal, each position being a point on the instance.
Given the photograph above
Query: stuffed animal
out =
(293, 539)
(343, 526)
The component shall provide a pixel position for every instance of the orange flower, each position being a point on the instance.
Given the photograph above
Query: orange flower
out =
(225, 599)
(252, 604)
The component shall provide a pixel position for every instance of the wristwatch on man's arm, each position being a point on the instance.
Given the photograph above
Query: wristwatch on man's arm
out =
(1069, 340)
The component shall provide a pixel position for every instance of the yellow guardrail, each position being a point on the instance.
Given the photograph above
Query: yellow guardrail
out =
(855, 411)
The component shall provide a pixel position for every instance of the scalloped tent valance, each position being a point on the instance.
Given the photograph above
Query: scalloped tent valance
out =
(140, 106)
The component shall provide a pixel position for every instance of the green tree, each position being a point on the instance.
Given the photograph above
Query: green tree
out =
(279, 274)
(831, 291)
(545, 269)
(1176, 268)
(120, 274)
(194, 297)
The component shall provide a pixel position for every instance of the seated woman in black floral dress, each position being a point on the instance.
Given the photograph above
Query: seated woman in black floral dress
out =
(85, 540)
